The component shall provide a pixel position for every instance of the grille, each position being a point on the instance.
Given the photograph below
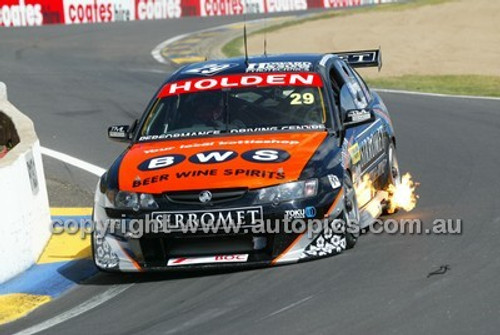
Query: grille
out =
(156, 251)
(218, 196)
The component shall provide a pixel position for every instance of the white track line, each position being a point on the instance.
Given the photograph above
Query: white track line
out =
(94, 169)
(75, 311)
(438, 95)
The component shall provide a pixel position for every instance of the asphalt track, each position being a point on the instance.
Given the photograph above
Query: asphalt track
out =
(74, 81)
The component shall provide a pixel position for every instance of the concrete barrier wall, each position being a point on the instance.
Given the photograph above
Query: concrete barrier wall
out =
(24, 206)
(16, 13)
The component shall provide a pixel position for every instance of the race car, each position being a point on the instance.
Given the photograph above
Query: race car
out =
(259, 160)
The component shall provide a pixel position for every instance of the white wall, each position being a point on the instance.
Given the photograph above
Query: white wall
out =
(24, 207)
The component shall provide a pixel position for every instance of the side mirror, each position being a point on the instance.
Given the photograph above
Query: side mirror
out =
(119, 133)
(355, 117)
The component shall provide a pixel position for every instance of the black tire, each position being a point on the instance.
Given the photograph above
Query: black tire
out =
(394, 172)
(351, 212)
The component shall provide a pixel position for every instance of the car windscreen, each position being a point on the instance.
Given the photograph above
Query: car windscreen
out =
(267, 103)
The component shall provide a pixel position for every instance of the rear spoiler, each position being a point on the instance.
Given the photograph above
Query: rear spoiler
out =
(362, 58)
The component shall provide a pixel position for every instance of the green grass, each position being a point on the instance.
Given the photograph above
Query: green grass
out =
(446, 84)
(233, 47)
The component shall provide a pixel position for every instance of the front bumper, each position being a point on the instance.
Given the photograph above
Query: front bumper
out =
(201, 250)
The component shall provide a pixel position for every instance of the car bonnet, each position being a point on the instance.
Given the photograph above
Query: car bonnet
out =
(253, 161)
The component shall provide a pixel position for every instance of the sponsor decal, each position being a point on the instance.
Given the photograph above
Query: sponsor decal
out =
(94, 11)
(318, 127)
(354, 153)
(123, 11)
(341, 3)
(239, 81)
(254, 6)
(158, 9)
(161, 162)
(214, 173)
(280, 67)
(310, 212)
(285, 5)
(371, 147)
(117, 131)
(158, 150)
(276, 128)
(266, 156)
(212, 157)
(302, 213)
(87, 11)
(179, 135)
(21, 13)
(271, 159)
(221, 7)
(187, 220)
(359, 115)
(195, 145)
(211, 69)
(334, 181)
(259, 141)
(255, 173)
(236, 258)
(149, 180)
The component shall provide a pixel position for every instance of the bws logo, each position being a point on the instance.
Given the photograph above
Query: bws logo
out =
(214, 157)
(266, 156)
(21, 14)
(161, 162)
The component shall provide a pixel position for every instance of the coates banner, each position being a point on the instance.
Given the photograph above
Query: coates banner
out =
(158, 9)
(22, 13)
(237, 7)
(353, 3)
(17, 13)
(96, 11)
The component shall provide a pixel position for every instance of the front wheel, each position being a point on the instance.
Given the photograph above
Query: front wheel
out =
(394, 173)
(351, 212)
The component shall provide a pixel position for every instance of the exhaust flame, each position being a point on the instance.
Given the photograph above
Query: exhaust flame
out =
(364, 191)
(403, 195)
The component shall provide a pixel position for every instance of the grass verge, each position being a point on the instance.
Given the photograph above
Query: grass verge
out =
(446, 84)
(233, 47)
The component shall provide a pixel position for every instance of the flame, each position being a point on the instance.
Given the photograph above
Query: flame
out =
(403, 195)
(364, 191)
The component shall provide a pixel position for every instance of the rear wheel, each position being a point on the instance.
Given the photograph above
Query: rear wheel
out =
(351, 212)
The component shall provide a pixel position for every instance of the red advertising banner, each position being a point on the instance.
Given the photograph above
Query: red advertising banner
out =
(17, 13)
(158, 9)
(21, 13)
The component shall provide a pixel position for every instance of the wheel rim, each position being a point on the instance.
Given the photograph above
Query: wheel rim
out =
(394, 175)
(351, 212)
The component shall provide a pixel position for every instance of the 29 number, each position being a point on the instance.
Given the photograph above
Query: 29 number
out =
(302, 99)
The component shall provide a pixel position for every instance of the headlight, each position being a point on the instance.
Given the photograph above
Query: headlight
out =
(130, 200)
(288, 191)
